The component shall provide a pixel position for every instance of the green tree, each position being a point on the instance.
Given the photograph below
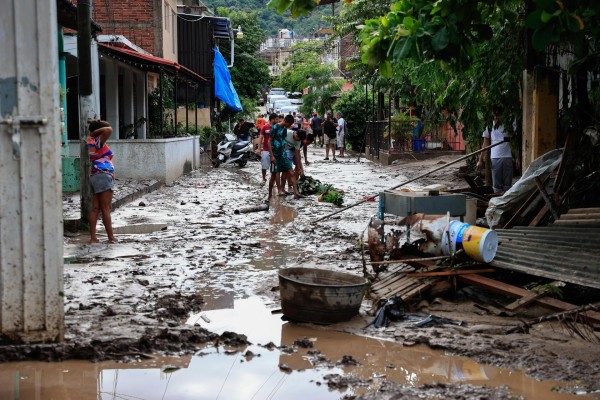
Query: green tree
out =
(305, 68)
(446, 75)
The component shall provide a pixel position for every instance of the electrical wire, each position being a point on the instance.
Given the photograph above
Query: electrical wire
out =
(264, 383)
(227, 376)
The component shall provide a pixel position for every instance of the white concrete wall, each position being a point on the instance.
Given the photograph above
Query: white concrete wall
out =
(31, 229)
(160, 159)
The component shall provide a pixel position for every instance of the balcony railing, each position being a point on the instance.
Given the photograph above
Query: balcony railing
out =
(398, 137)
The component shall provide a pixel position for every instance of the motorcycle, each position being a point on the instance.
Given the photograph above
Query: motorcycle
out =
(232, 150)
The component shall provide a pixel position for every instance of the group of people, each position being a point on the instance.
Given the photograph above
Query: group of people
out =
(280, 144)
(283, 141)
(330, 132)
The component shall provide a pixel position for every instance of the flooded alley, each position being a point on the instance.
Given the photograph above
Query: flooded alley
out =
(188, 301)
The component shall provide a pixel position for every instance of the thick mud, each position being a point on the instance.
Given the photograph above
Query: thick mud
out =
(183, 251)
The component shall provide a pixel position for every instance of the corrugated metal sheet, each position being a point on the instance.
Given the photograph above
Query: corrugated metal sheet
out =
(568, 251)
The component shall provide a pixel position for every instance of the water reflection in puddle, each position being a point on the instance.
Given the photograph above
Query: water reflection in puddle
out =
(276, 253)
(218, 373)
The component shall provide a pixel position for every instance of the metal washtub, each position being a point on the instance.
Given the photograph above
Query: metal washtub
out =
(320, 296)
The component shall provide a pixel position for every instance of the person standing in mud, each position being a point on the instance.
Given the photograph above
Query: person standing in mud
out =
(329, 128)
(341, 134)
(263, 146)
(280, 164)
(315, 124)
(501, 155)
(102, 173)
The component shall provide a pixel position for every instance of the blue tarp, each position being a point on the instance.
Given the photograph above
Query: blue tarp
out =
(224, 89)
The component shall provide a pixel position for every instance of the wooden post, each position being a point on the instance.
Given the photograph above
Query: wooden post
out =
(86, 100)
(545, 111)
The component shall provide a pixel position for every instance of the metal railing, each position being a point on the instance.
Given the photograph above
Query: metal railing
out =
(398, 137)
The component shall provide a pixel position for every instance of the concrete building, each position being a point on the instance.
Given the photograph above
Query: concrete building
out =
(275, 50)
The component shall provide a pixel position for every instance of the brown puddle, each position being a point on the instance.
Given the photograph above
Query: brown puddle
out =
(283, 214)
(218, 373)
(276, 254)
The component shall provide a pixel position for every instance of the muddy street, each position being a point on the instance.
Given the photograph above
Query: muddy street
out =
(186, 305)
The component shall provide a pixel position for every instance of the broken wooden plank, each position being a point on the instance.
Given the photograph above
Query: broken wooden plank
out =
(398, 292)
(404, 261)
(546, 197)
(538, 218)
(523, 301)
(525, 205)
(510, 290)
(399, 285)
(416, 291)
(395, 280)
(449, 273)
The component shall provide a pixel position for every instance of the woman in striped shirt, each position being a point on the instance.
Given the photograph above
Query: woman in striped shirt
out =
(102, 173)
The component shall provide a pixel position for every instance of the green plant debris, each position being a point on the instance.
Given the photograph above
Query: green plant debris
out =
(310, 186)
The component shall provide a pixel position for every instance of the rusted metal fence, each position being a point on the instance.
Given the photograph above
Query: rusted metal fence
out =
(400, 136)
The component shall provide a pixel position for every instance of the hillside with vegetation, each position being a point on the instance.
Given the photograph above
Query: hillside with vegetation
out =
(270, 21)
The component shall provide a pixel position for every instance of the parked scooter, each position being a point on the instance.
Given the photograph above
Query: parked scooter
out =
(232, 150)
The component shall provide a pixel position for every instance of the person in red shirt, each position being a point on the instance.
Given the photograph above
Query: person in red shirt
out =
(263, 146)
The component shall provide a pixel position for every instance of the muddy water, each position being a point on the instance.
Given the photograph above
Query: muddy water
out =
(256, 372)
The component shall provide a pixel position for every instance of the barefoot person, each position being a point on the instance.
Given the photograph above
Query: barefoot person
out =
(263, 146)
(101, 177)
(279, 161)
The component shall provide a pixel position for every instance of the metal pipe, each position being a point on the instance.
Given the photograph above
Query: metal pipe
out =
(506, 139)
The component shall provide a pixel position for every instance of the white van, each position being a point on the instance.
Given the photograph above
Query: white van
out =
(275, 92)
(277, 104)
(271, 101)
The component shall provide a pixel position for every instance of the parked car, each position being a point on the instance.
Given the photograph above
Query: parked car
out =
(289, 110)
(275, 98)
(296, 102)
(275, 92)
(278, 104)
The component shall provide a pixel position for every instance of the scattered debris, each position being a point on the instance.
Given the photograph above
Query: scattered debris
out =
(262, 207)
(574, 320)
(326, 192)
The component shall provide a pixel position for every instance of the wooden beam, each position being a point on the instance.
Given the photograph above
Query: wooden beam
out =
(538, 218)
(514, 291)
(523, 207)
(546, 197)
(523, 301)
(450, 273)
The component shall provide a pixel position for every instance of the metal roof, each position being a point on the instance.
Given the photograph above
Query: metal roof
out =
(567, 251)
(148, 62)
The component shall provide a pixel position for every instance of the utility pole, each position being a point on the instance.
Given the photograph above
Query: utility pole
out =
(86, 100)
